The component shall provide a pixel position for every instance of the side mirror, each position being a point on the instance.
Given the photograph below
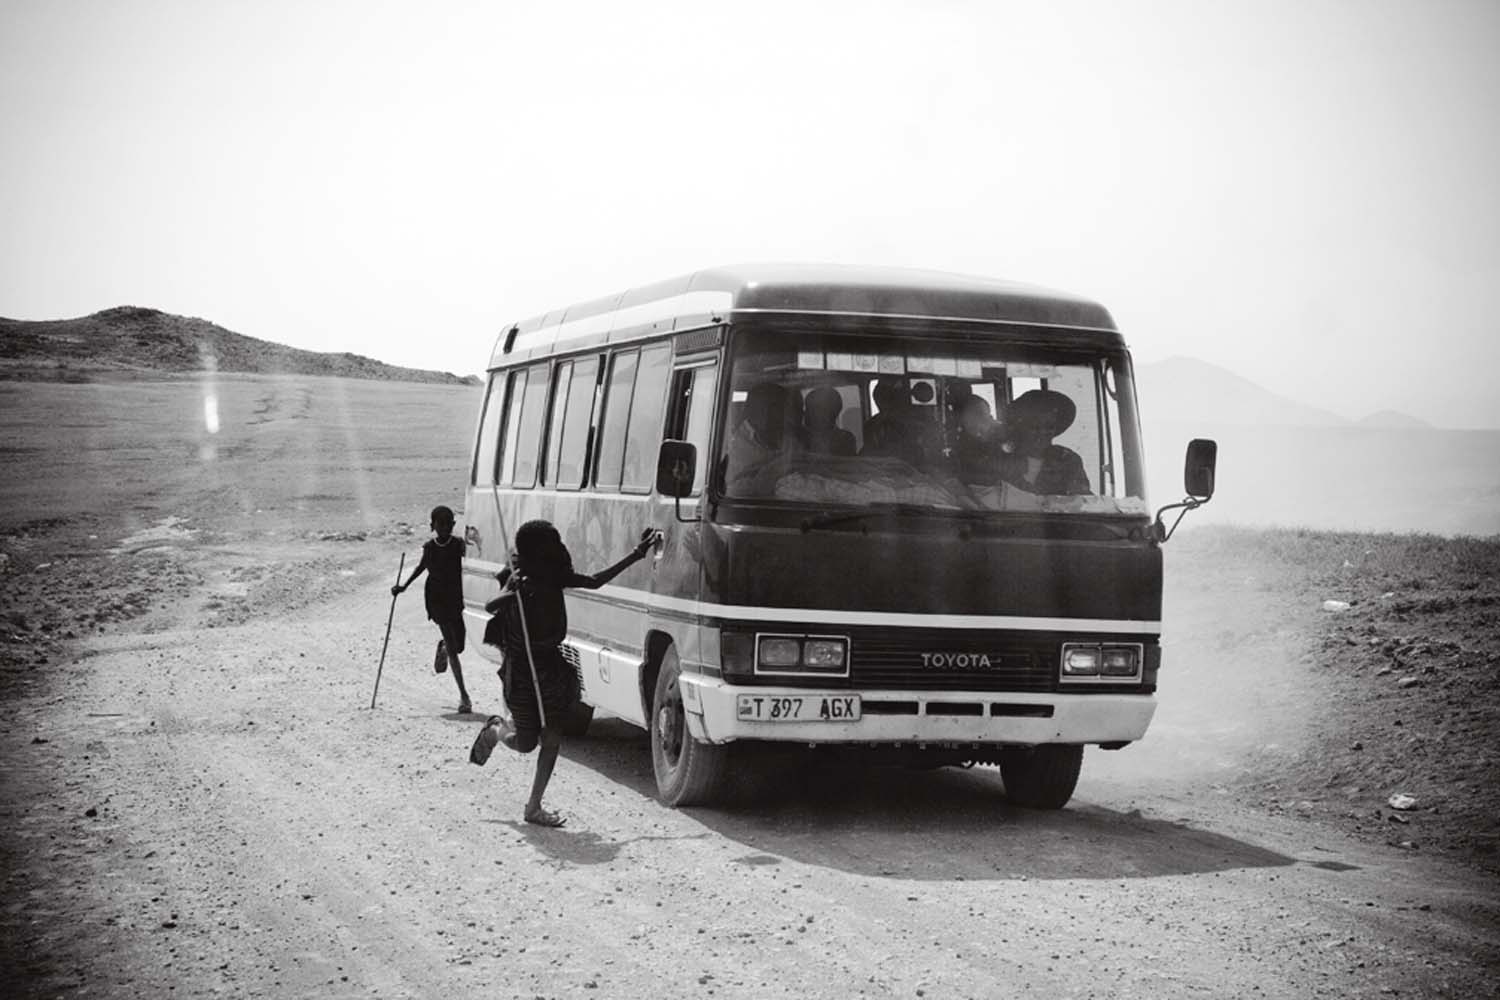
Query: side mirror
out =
(1198, 470)
(676, 465)
(1197, 480)
(676, 468)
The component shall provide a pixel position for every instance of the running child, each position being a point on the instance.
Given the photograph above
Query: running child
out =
(442, 559)
(543, 568)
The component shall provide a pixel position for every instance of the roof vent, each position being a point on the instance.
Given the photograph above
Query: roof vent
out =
(510, 339)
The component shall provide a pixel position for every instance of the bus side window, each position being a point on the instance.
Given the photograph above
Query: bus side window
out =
(571, 449)
(528, 440)
(515, 389)
(616, 407)
(483, 473)
(691, 417)
(643, 434)
(562, 382)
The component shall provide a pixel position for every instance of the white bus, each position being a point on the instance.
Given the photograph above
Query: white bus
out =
(901, 510)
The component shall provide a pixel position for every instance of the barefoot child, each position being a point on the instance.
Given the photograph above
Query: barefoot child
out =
(543, 568)
(442, 558)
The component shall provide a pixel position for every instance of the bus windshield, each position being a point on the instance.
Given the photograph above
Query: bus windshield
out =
(844, 420)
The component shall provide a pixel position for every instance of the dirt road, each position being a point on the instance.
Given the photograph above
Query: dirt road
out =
(197, 800)
(260, 832)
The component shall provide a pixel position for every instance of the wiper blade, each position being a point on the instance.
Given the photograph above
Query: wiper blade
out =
(826, 518)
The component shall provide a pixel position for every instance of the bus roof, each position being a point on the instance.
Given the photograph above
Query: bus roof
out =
(723, 293)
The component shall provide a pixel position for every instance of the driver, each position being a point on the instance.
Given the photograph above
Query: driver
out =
(1033, 462)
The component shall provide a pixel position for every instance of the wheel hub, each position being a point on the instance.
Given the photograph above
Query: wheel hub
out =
(669, 729)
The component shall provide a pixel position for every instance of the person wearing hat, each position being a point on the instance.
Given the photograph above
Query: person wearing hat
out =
(1032, 461)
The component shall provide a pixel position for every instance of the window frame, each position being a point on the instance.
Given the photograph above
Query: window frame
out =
(607, 403)
(543, 391)
(590, 421)
(680, 408)
(649, 486)
(497, 379)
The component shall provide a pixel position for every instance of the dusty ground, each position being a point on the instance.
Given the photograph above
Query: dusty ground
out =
(197, 799)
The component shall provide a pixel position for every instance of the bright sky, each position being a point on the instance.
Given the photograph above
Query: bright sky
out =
(1303, 192)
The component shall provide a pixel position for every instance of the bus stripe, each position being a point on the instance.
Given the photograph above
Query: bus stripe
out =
(645, 601)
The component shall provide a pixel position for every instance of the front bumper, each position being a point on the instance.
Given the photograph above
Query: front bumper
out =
(1003, 717)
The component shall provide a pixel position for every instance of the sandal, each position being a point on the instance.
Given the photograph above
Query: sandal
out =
(541, 817)
(465, 707)
(484, 744)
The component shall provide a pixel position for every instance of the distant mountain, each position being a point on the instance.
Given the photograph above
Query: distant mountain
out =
(1394, 420)
(129, 340)
(1192, 391)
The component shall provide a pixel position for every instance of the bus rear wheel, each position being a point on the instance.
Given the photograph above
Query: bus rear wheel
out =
(687, 772)
(1044, 776)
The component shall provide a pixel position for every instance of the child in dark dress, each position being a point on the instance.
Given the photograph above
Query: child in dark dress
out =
(442, 560)
(543, 568)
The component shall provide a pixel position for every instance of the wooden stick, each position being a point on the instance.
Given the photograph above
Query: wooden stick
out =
(536, 685)
(399, 567)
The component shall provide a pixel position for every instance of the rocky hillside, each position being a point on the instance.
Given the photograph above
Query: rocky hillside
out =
(131, 341)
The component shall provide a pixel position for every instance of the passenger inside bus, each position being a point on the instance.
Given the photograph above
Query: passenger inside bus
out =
(899, 429)
(1032, 462)
(978, 442)
(759, 446)
(821, 432)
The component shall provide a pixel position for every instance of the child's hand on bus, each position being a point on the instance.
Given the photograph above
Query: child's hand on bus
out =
(649, 538)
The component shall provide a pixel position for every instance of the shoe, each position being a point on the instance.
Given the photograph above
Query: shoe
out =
(541, 817)
(465, 707)
(484, 743)
(440, 658)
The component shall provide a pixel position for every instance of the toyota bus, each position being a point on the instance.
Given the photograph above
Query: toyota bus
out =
(901, 513)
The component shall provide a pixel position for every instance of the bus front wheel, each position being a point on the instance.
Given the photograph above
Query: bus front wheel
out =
(687, 772)
(1044, 776)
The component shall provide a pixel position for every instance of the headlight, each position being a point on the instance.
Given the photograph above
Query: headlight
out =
(1107, 661)
(1120, 661)
(1080, 661)
(779, 652)
(823, 654)
(795, 654)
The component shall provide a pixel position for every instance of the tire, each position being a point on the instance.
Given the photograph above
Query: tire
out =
(575, 725)
(688, 773)
(1043, 777)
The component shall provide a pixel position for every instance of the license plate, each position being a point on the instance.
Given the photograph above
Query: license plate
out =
(798, 708)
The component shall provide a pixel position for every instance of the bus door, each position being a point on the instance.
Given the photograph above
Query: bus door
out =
(677, 574)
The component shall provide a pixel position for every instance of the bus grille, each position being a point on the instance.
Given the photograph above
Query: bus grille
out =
(982, 662)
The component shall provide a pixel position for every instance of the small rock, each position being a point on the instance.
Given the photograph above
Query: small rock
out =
(1331, 605)
(35, 740)
(1356, 745)
(1410, 845)
(91, 812)
(1410, 680)
(1402, 801)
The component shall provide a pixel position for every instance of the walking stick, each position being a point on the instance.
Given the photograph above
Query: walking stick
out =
(536, 685)
(399, 567)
